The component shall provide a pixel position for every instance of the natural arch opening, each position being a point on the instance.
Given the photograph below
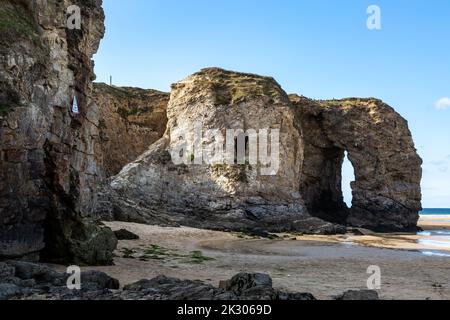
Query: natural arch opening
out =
(348, 176)
(321, 184)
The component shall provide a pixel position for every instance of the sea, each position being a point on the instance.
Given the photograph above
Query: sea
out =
(435, 212)
(442, 235)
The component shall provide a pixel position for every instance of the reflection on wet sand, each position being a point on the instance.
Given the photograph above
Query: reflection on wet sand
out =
(435, 240)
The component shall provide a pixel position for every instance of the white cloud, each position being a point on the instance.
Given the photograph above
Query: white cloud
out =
(443, 103)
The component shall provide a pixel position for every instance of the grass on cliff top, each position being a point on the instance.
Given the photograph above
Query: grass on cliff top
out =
(231, 87)
(16, 21)
(128, 92)
(347, 102)
(372, 106)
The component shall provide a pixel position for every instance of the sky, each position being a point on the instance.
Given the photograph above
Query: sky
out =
(320, 49)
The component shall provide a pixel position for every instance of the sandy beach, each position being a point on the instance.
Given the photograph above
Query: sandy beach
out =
(412, 266)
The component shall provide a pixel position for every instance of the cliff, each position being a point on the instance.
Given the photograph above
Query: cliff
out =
(48, 169)
(131, 119)
(305, 192)
(53, 157)
(207, 194)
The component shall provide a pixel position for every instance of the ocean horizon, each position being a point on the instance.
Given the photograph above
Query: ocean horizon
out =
(435, 211)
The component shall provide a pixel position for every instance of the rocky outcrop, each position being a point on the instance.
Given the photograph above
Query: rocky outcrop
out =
(27, 281)
(359, 295)
(124, 234)
(386, 193)
(304, 195)
(200, 192)
(48, 170)
(131, 119)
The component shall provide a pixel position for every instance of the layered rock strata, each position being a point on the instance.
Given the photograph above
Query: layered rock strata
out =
(48, 170)
(303, 194)
(219, 195)
(131, 119)
(386, 190)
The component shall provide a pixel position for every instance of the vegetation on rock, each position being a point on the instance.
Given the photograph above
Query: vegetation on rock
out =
(16, 21)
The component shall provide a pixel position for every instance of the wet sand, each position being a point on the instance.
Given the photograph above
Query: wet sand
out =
(433, 222)
(323, 265)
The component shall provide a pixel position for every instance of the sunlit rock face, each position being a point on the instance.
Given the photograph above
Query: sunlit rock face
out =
(306, 183)
(48, 170)
(386, 193)
(174, 183)
(130, 120)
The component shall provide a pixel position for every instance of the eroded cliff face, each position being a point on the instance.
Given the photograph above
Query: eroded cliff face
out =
(314, 136)
(131, 119)
(386, 193)
(154, 189)
(48, 170)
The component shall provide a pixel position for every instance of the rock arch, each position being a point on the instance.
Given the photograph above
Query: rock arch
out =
(386, 193)
(226, 197)
(305, 195)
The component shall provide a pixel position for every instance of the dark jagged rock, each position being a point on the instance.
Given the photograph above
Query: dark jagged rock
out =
(359, 295)
(37, 272)
(123, 234)
(244, 281)
(101, 279)
(48, 170)
(27, 281)
(8, 291)
(241, 287)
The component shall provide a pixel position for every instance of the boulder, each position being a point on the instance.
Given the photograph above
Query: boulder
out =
(8, 291)
(359, 295)
(100, 279)
(37, 272)
(124, 234)
(241, 287)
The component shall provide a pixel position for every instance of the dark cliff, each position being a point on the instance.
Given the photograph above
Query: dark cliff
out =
(48, 170)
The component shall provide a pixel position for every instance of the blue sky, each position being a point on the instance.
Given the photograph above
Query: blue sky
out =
(320, 49)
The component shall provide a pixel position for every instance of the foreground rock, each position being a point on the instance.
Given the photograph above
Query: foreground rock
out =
(198, 193)
(123, 234)
(23, 280)
(48, 169)
(27, 281)
(386, 193)
(131, 119)
(359, 295)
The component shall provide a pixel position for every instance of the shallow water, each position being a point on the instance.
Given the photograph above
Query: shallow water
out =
(436, 238)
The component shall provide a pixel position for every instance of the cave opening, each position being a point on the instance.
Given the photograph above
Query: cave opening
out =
(348, 177)
(325, 182)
